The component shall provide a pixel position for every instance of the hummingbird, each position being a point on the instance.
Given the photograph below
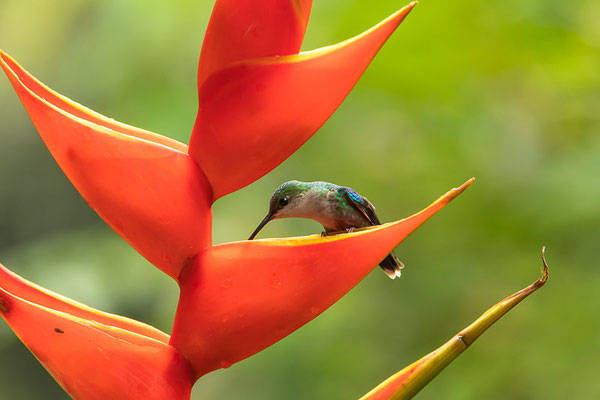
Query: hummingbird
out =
(337, 208)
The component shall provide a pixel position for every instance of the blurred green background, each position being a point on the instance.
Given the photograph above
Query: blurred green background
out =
(506, 91)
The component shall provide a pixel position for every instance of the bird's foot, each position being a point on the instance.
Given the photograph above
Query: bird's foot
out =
(350, 230)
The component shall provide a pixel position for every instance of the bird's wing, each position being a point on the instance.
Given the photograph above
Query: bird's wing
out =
(363, 205)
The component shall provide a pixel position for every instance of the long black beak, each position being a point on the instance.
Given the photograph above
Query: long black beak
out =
(261, 225)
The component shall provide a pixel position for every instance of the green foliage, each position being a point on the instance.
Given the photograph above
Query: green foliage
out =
(507, 91)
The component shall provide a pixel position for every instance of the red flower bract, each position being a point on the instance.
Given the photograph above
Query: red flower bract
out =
(143, 185)
(91, 354)
(238, 298)
(254, 113)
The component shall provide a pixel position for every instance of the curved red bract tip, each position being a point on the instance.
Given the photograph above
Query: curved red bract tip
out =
(244, 29)
(143, 185)
(12, 68)
(256, 113)
(94, 360)
(239, 298)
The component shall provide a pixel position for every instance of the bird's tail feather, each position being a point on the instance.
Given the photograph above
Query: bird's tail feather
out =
(392, 266)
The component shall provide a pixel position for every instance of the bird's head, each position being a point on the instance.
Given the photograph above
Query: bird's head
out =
(287, 201)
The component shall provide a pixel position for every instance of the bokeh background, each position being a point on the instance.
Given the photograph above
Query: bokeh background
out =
(506, 91)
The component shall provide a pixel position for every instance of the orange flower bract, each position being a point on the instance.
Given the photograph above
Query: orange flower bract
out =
(143, 185)
(255, 113)
(91, 354)
(238, 298)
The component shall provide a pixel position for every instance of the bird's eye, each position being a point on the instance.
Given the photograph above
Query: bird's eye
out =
(283, 202)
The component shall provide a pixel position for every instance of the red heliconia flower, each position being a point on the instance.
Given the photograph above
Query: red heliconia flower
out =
(259, 101)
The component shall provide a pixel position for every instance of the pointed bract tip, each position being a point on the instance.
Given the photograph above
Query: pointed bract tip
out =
(544, 277)
(542, 281)
(3, 55)
(466, 184)
(403, 12)
(453, 193)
